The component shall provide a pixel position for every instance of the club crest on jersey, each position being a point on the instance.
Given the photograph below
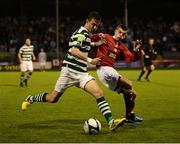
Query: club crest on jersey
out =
(112, 55)
(80, 37)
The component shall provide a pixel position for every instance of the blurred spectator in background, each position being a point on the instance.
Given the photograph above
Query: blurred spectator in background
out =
(42, 58)
(43, 30)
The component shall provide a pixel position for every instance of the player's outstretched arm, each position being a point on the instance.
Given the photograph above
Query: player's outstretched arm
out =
(98, 39)
(33, 56)
(19, 57)
(77, 53)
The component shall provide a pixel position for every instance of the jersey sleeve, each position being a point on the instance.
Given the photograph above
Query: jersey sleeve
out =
(99, 36)
(95, 37)
(77, 40)
(128, 56)
(32, 48)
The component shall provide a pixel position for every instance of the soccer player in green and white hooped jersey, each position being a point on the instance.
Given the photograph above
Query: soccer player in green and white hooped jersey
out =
(81, 40)
(74, 72)
(26, 55)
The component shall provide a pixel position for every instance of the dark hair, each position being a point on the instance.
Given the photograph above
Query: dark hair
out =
(151, 37)
(94, 15)
(121, 26)
(27, 37)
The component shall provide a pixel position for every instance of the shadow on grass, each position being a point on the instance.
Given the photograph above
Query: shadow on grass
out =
(74, 125)
(63, 124)
(153, 123)
(9, 85)
(55, 124)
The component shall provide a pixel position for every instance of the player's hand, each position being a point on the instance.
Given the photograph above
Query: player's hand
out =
(136, 45)
(96, 61)
(101, 42)
(101, 35)
(20, 61)
(34, 58)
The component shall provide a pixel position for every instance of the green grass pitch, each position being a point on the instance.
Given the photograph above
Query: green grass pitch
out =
(158, 102)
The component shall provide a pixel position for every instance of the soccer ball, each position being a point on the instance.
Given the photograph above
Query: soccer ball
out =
(92, 126)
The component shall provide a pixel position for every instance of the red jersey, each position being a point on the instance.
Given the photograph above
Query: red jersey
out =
(109, 51)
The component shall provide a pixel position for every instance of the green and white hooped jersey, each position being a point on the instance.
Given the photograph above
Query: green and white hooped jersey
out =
(26, 52)
(79, 39)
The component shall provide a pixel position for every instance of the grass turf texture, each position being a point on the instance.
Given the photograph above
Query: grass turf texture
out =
(158, 102)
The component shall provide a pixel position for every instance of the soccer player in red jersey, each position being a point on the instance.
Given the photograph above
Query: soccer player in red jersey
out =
(108, 52)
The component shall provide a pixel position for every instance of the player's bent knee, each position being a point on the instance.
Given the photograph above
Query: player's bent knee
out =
(30, 73)
(144, 69)
(128, 91)
(133, 91)
(152, 67)
(130, 94)
(130, 84)
(133, 94)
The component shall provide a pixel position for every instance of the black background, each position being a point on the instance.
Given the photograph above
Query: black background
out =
(107, 8)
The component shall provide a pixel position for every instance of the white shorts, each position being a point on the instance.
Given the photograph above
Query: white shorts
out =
(108, 76)
(26, 66)
(70, 78)
(42, 63)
